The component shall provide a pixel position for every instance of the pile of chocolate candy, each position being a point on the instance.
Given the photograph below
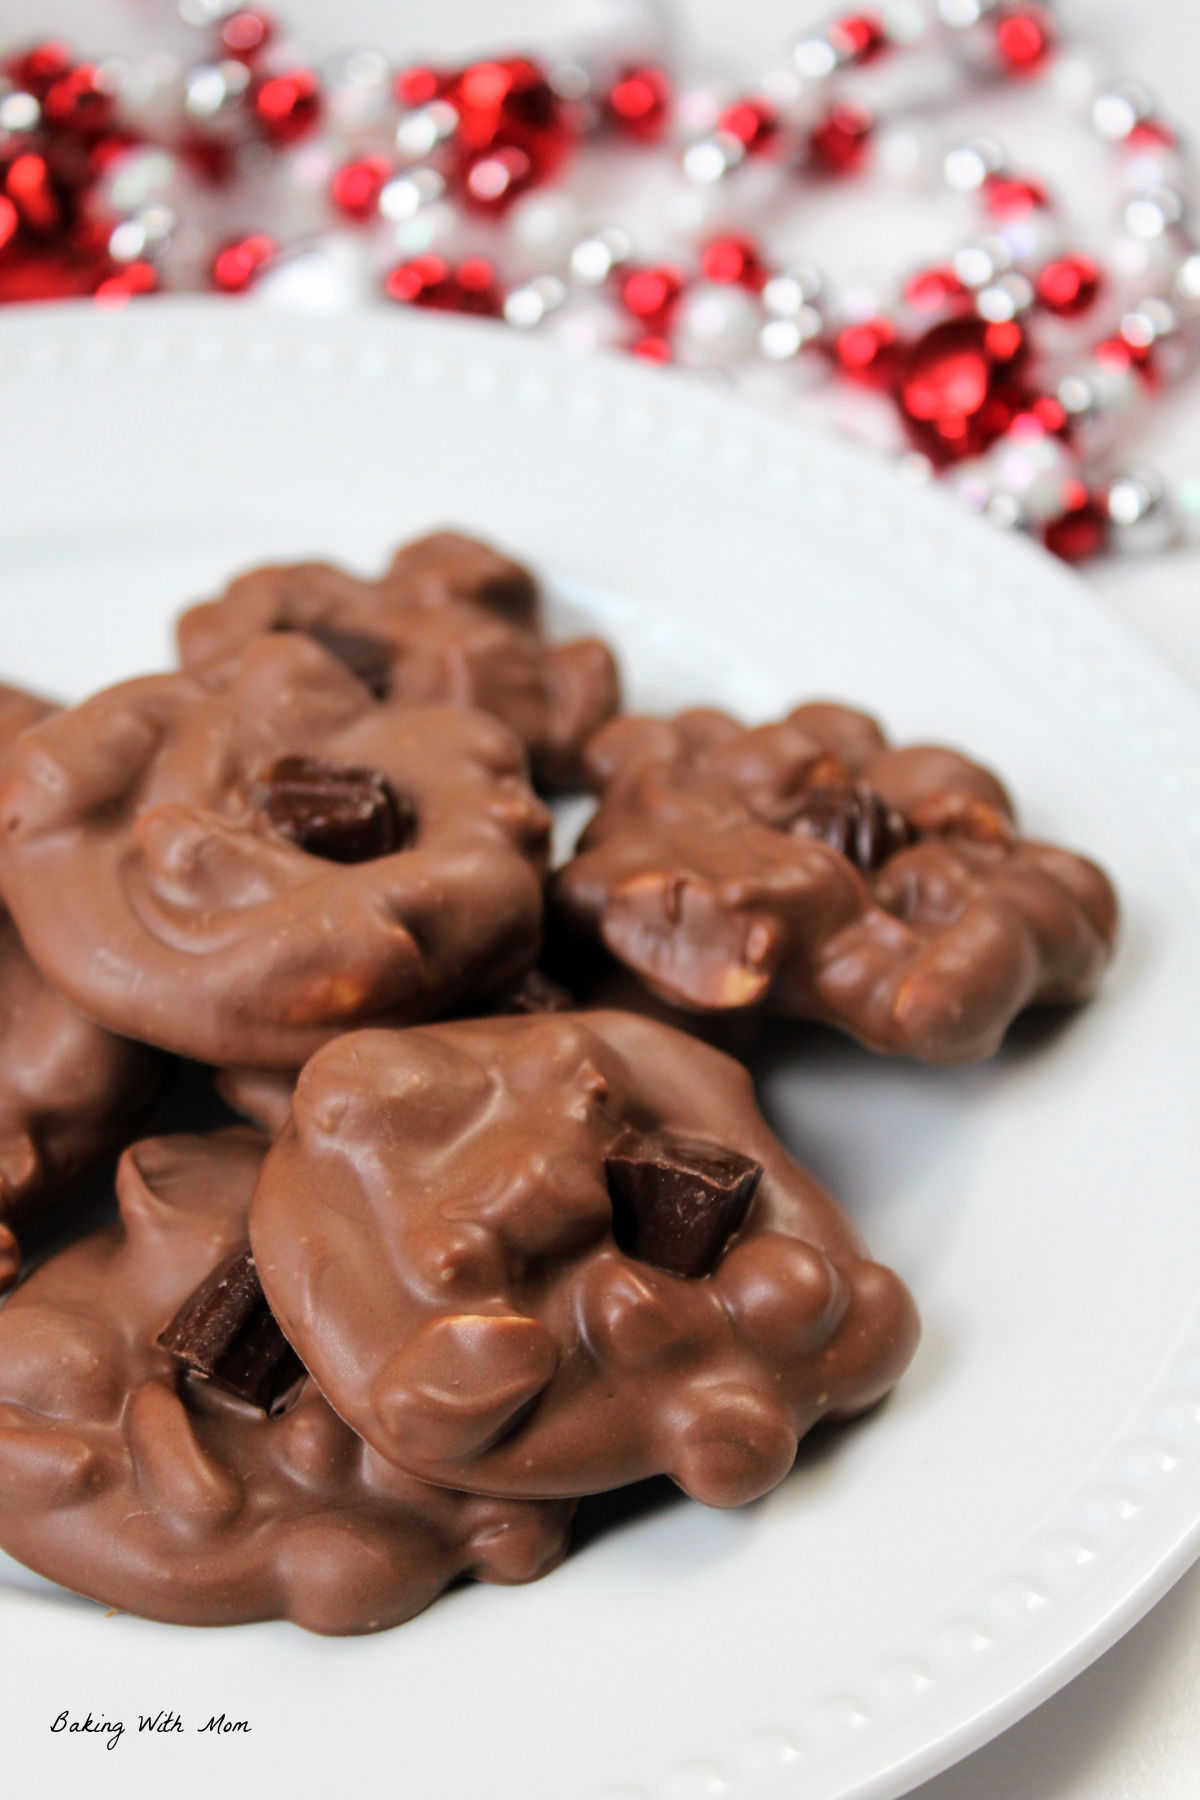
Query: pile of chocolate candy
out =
(500, 1226)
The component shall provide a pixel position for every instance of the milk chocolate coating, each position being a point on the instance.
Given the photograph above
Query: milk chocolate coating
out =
(141, 863)
(134, 1485)
(698, 873)
(264, 1096)
(434, 1232)
(451, 620)
(70, 1092)
(18, 710)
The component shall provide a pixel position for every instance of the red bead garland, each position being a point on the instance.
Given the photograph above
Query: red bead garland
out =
(965, 356)
(432, 282)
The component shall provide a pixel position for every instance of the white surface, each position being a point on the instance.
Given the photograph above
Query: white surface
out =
(1131, 1725)
(1035, 1484)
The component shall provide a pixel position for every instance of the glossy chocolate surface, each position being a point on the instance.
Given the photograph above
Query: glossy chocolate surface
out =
(434, 1231)
(70, 1092)
(900, 904)
(126, 1480)
(451, 620)
(152, 885)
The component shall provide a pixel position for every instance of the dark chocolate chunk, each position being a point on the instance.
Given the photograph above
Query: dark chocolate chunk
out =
(677, 1200)
(536, 992)
(346, 815)
(851, 817)
(367, 657)
(226, 1333)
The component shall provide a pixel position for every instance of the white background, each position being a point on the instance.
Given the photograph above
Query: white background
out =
(1130, 1726)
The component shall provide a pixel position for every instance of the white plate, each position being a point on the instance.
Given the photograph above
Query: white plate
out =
(929, 1575)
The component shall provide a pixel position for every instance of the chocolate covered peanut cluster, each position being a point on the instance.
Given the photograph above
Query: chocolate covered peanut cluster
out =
(809, 869)
(504, 1230)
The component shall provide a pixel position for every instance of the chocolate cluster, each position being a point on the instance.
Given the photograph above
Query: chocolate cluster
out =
(604, 1265)
(451, 620)
(808, 868)
(70, 1091)
(505, 1230)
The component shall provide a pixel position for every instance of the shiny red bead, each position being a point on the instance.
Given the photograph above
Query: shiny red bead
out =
(432, 282)
(1078, 533)
(75, 103)
(1069, 285)
(929, 290)
(652, 295)
(488, 96)
(356, 186)
(652, 348)
(419, 85)
(513, 131)
(868, 353)
(511, 102)
(239, 264)
(1050, 415)
(129, 283)
(1011, 197)
(9, 222)
(37, 69)
(838, 145)
(637, 104)
(1119, 353)
(859, 37)
(961, 385)
(752, 122)
(244, 34)
(34, 194)
(1024, 39)
(287, 106)
(734, 261)
(41, 274)
(1150, 134)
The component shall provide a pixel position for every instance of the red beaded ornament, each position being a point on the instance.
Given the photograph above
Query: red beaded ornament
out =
(974, 357)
